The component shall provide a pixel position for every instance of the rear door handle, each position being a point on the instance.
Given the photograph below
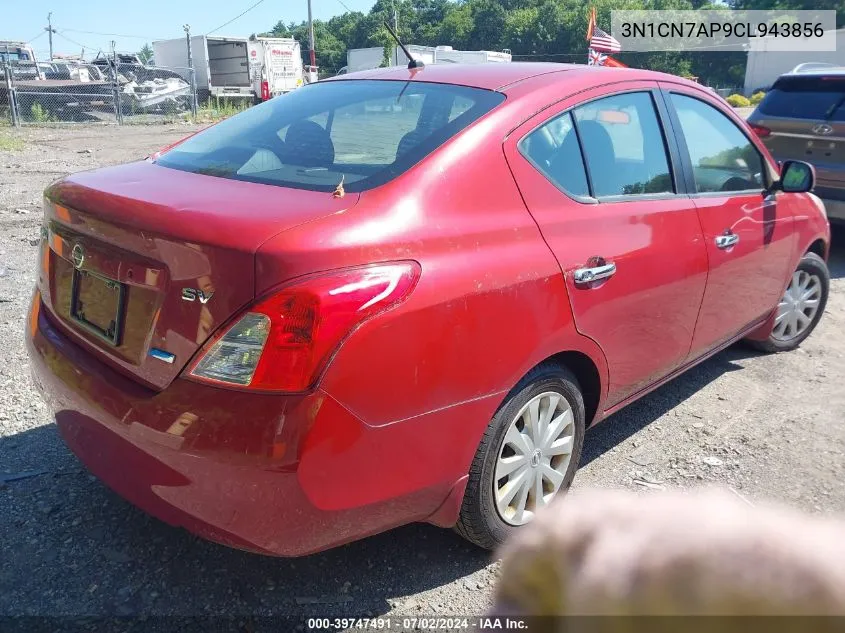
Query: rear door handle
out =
(727, 240)
(594, 273)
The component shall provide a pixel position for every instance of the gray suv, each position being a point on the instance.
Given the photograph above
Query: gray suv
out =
(803, 118)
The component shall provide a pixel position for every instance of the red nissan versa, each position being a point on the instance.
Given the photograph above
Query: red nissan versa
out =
(403, 295)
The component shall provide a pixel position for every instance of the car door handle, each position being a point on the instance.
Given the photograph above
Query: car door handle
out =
(727, 240)
(594, 273)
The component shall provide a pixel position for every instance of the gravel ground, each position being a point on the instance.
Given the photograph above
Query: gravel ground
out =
(769, 427)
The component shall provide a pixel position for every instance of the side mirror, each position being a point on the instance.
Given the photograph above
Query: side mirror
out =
(796, 177)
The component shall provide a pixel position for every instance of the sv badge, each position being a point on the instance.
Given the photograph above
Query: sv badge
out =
(193, 294)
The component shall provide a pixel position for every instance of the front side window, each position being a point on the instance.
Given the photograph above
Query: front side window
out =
(364, 132)
(723, 159)
(624, 145)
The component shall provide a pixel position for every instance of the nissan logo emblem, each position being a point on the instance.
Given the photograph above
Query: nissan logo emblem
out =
(823, 129)
(77, 254)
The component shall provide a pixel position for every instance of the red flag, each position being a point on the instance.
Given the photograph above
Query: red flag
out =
(614, 63)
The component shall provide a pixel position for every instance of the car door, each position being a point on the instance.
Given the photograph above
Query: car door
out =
(749, 237)
(600, 177)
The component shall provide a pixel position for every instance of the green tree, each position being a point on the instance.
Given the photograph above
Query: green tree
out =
(520, 31)
(145, 54)
(488, 18)
(457, 26)
(803, 5)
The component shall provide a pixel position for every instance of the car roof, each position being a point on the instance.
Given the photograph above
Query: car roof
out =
(500, 76)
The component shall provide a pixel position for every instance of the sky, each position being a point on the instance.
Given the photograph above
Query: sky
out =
(89, 23)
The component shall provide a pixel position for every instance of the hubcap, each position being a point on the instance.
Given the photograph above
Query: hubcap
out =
(798, 306)
(533, 458)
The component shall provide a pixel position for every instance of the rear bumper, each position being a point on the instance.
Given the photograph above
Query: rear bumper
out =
(281, 475)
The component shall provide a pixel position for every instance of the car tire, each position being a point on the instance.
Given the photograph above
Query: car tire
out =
(480, 521)
(812, 265)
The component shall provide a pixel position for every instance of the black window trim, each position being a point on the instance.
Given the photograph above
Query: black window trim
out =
(686, 160)
(676, 167)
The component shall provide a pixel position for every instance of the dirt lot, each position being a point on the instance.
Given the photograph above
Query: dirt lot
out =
(770, 427)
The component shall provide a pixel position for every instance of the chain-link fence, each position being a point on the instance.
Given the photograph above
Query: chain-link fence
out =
(104, 90)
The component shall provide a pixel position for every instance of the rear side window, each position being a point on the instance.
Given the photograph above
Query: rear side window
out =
(363, 132)
(553, 149)
(623, 145)
(815, 98)
(723, 159)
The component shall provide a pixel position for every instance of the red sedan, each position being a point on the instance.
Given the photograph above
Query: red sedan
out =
(405, 294)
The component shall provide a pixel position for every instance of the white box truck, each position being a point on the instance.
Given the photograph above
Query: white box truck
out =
(275, 66)
(221, 64)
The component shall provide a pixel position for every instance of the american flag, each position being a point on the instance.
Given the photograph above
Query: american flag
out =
(602, 41)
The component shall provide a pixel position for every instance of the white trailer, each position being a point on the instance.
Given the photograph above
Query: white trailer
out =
(444, 56)
(363, 59)
(448, 55)
(423, 53)
(275, 66)
(221, 64)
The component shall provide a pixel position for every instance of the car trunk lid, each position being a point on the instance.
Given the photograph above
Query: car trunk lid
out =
(140, 264)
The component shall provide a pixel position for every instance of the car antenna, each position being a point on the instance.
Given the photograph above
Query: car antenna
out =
(412, 63)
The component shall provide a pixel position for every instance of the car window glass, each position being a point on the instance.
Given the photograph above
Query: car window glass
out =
(362, 132)
(553, 149)
(623, 145)
(813, 98)
(371, 132)
(723, 159)
(459, 106)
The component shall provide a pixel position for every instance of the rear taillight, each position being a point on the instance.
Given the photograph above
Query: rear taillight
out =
(284, 341)
(760, 130)
(265, 91)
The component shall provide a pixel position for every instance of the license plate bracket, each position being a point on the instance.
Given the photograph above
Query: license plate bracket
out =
(97, 303)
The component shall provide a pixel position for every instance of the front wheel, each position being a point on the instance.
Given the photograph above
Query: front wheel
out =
(801, 306)
(527, 456)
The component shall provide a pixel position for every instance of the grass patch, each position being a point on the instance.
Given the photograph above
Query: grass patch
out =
(10, 142)
(39, 114)
(218, 109)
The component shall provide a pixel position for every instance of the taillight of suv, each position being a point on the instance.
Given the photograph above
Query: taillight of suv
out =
(760, 130)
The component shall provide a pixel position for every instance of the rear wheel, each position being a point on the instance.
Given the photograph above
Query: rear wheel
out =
(801, 306)
(527, 456)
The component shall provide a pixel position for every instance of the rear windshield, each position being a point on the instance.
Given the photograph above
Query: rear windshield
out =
(820, 98)
(361, 132)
